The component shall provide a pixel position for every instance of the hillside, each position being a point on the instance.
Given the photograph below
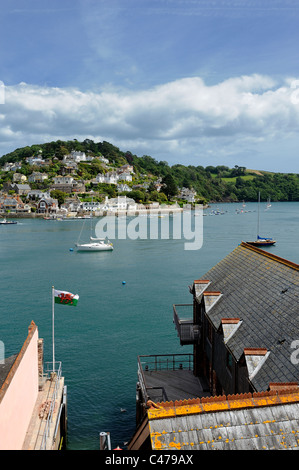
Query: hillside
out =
(152, 180)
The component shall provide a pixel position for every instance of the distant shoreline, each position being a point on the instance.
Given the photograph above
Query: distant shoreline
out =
(136, 212)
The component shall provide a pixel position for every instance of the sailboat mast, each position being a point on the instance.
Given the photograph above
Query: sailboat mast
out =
(258, 215)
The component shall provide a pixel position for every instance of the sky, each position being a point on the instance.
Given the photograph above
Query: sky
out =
(196, 82)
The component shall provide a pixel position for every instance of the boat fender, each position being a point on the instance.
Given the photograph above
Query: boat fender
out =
(124, 282)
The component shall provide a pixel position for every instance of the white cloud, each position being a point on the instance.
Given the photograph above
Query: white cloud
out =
(179, 119)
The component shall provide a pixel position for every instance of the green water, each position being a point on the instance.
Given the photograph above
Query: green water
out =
(99, 340)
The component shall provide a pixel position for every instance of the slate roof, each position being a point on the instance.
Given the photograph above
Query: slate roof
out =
(262, 421)
(5, 367)
(262, 290)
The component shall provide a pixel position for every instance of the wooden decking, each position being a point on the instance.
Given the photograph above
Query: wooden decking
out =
(176, 385)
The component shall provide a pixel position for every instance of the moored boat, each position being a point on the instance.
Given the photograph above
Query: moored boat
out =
(100, 245)
(94, 244)
(261, 241)
(7, 222)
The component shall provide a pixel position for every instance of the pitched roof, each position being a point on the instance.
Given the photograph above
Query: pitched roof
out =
(5, 367)
(262, 290)
(11, 364)
(267, 420)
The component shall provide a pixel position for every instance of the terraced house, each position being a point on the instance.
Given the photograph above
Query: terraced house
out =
(239, 387)
(13, 204)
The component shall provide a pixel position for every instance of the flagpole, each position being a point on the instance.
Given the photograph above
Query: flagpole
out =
(53, 329)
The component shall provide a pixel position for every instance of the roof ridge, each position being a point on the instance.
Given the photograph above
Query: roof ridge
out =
(279, 259)
(288, 393)
(31, 330)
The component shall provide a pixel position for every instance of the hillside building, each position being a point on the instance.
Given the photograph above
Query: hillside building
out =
(238, 389)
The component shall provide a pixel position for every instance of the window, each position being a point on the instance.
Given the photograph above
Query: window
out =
(229, 361)
(210, 332)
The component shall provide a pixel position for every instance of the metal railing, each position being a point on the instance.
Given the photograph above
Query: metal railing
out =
(155, 362)
(161, 362)
(53, 373)
(188, 332)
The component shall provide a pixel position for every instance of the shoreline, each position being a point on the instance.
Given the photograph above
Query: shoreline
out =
(34, 215)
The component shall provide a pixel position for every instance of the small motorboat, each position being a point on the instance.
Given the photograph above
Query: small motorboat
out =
(7, 222)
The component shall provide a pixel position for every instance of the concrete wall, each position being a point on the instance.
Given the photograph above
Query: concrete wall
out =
(18, 394)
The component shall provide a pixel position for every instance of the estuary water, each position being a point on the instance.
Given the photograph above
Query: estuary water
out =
(125, 305)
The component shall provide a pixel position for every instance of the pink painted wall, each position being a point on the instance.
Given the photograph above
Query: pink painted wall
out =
(19, 399)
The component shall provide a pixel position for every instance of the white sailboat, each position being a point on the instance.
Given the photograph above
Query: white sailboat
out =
(94, 244)
(99, 245)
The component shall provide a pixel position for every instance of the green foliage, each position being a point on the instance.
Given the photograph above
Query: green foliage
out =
(169, 186)
(59, 195)
(213, 183)
(138, 196)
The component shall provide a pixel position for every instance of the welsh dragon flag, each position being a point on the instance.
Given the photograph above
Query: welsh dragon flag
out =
(65, 298)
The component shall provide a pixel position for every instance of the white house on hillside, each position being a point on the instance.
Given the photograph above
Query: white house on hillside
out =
(187, 194)
(12, 166)
(19, 178)
(36, 160)
(109, 178)
(63, 180)
(103, 160)
(126, 169)
(123, 187)
(37, 177)
(125, 177)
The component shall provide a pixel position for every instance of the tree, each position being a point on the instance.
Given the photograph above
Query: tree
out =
(169, 186)
(59, 195)
(137, 195)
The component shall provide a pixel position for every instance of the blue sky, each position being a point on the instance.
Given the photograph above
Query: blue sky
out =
(200, 82)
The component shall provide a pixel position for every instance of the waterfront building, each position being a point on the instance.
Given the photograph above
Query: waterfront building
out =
(238, 389)
(120, 203)
(33, 409)
(13, 204)
(89, 206)
(48, 206)
(72, 205)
